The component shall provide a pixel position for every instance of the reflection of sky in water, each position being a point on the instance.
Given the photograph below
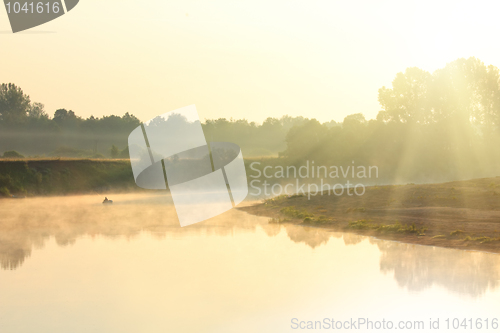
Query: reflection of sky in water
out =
(74, 265)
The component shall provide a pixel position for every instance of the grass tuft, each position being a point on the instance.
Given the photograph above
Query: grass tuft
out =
(457, 233)
(389, 228)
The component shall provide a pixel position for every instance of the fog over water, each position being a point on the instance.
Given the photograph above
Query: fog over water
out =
(72, 264)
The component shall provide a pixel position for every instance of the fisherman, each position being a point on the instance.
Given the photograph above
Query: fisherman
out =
(105, 200)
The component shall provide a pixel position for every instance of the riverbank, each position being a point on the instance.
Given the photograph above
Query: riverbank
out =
(460, 214)
(63, 176)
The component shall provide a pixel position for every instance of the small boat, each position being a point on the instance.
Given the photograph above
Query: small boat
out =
(107, 202)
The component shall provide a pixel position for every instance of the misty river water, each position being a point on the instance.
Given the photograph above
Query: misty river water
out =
(71, 264)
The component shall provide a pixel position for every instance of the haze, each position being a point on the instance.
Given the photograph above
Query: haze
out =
(320, 59)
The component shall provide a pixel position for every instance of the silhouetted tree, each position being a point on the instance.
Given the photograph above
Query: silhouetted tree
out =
(14, 104)
(114, 151)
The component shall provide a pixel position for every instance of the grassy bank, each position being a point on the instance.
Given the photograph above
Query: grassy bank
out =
(31, 177)
(461, 214)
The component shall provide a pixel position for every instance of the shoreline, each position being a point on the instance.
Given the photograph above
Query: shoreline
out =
(450, 243)
(462, 215)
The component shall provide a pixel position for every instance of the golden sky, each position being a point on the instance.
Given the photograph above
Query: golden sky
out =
(239, 59)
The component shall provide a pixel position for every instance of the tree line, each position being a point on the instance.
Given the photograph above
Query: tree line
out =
(26, 127)
(431, 126)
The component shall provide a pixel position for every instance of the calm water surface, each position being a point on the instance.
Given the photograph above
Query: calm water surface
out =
(73, 265)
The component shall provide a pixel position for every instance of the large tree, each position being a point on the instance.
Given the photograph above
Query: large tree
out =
(465, 91)
(14, 104)
(407, 101)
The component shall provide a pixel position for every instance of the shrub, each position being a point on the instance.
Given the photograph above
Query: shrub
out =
(114, 151)
(12, 154)
(360, 224)
(4, 192)
(457, 233)
(294, 213)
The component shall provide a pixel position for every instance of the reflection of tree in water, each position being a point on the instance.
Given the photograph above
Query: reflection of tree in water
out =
(31, 223)
(271, 229)
(420, 267)
(28, 224)
(13, 251)
(310, 236)
(417, 267)
(353, 239)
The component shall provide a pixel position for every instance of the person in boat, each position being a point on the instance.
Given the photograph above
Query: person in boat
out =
(106, 200)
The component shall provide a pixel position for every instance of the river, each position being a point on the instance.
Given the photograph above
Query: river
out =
(71, 264)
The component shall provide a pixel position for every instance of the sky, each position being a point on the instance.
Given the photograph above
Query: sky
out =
(239, 59)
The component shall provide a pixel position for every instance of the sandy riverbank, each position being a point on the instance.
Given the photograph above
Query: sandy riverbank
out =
(461, 214)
